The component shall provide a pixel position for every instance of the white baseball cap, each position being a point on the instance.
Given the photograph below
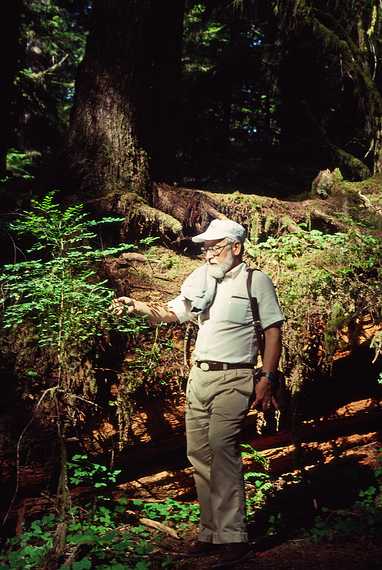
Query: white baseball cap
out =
(220, 229)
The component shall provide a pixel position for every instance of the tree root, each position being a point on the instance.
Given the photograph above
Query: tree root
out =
(177, 213)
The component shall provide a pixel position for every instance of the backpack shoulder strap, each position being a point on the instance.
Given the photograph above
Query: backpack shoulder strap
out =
(255, 312)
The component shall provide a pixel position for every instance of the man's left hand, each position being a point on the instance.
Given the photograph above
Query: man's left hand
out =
(264, 399)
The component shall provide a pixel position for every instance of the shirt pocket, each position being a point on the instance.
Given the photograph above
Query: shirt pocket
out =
(237, 310)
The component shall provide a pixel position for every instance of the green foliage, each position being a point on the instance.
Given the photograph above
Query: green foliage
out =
(99, 534)
(56, 291)
(82, 470)
(258, 477)
(248, 452)
(207, 34)
(19, 163)
(30, 548)
(227, 108)
(180, 514)
(338, 277)
(53, 43)
(59, 291)
(263, 487)
(56, 295)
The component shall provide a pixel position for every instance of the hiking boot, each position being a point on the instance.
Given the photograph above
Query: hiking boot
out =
(199, 548)
(233, 553)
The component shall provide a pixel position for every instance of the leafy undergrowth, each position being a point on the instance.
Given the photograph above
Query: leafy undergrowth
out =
(123, 534)
(328, 285)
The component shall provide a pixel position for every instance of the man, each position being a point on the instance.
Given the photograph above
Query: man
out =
(221, 382)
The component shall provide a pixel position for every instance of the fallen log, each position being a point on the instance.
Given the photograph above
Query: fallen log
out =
(362, 416)
(178, 483)
(349, 431)
(156, 525)
(354, 417)
(288, 458)
(176, 212)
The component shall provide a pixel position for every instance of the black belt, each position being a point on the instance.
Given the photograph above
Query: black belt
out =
(213, 365)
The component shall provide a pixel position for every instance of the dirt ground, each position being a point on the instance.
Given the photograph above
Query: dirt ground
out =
(301, 554)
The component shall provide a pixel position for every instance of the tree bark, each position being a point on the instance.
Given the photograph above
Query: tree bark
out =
(124, 90)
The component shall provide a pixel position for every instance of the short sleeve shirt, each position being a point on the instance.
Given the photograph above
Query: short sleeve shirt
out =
(226, 330)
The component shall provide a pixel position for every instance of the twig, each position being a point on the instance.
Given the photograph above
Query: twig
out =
(15, 248)
(369, 204)
(106, 369)
(71, 558)
(18, 446)
(159, 526)
(150, 288)
(162, 278)
(50, 69)
(78, 398)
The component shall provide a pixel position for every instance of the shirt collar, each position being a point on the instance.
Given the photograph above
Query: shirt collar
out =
(232, 273)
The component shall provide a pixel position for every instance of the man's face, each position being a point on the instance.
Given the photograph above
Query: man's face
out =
(221, 256)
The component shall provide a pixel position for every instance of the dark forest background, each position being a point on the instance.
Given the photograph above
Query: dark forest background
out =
(252, 96)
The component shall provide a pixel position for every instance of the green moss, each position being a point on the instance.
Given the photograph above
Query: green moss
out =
(338, 317)
(325, 282)
(355, 167)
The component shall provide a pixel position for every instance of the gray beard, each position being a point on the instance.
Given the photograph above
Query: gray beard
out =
(218, 270)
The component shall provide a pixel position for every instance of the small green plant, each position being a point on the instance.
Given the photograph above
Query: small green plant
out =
(57, 288)
(248, 452)
(30, 548)
(259, 479)
(83, 471)
(180, 514)
(19, 163)
(56, 296)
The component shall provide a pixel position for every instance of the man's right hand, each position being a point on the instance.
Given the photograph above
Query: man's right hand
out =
(122, 305)
(155, 313)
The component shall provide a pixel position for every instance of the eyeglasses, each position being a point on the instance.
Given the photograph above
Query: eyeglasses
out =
(215, 250)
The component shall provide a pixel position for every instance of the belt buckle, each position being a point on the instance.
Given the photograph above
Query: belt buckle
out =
(204, 366)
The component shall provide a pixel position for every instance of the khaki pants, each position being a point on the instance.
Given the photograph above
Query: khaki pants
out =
(216, 405)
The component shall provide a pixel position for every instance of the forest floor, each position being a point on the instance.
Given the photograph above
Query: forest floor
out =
(301, 554)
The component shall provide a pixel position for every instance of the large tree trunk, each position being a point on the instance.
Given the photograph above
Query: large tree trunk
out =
(123, 96)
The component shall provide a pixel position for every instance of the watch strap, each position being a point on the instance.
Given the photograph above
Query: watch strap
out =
(272, 377)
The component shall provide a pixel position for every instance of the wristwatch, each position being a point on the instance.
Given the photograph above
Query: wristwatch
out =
(270, 376)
